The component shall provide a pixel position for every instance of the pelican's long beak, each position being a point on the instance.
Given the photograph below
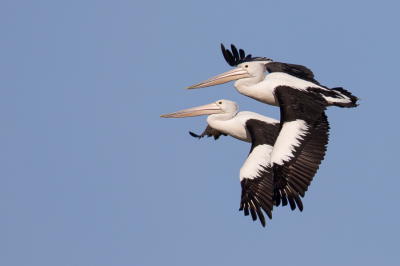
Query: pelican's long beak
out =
(208, 109)
(237, 73)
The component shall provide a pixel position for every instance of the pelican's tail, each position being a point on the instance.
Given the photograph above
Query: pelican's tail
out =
(353, 99)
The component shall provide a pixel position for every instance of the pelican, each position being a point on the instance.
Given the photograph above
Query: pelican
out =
(302, 101)
(256, 176)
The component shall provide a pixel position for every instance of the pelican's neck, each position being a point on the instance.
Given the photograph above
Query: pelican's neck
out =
(215, 118)
(247, 82)
(257, 88)
(229, 125)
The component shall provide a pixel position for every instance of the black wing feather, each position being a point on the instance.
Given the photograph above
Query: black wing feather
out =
(293, 177)
(235, 52)
(227, 55)
(297, 71)
(235, 58)
(257, 192)
(209, 131)
(242, 54)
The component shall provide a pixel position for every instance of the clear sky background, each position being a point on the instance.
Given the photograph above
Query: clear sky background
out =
(90, 175)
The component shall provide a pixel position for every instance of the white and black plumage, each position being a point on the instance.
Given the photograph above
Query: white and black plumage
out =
(261, 131)
(256, 174)
(304, 126)
(251, 80)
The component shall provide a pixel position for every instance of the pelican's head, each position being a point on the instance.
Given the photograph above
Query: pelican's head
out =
(250, 70)
(223, 108)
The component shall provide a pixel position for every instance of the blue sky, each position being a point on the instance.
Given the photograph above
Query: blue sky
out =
(90, 175)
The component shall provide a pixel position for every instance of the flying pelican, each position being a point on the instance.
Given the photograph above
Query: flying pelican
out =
(302, 101)
(256, 176)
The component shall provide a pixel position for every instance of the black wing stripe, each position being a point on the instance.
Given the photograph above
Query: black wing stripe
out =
(257, 191)
(308, 162)
(264, 198)
(267, 207)
(302, 168)
(291, 203)
(253, 211)
(246, 210)
(284, 198)
(315, 155)
(299, 173)
(260, 214)
(298, 201)
(293, 177)
(298, 187)
(300, 182)
(297, 71)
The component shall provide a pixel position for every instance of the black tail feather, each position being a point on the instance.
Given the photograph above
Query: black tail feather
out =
(353, 98)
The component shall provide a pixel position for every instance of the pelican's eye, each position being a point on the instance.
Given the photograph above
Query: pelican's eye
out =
(220, 103)
(246, 66)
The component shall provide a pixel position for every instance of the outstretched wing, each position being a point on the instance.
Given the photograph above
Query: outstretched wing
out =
(339, 96)
(209, 132)
(301, 144)
(256, 173)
